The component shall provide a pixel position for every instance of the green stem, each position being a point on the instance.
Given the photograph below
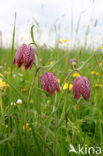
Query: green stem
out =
(39, 103)
(96, 60)
(1, 104)
(27, 103)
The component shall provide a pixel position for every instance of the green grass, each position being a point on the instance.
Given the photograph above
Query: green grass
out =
(84, 120)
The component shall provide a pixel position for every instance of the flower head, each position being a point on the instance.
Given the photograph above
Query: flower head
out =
(101, 47)
(50, 83)
(98, 85)
(81, 85)
(94, 73)
(25, 54)
(63, 41)
(73, 63)
(3, 84)
(65, 86)
(75, 75)
(19, 101)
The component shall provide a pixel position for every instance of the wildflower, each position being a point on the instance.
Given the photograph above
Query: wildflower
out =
(13, 104)
(73, 63)
(19, 101)
(101, 47)
(75, 75)
(81, 85)
(98, 85)
(21, 79)
(25, 126)
(70, 86)
(63, 40)
(94, 73)
(1, 67)
(20, 74)
(65, 86)
(3, 84)
(95, 50)
(51, 62)
(25, 54)
(49, 83)
(101, 63)
(58, 80)
(14, 75)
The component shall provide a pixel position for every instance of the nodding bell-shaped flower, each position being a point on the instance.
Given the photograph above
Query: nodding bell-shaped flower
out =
(81, 85)
(25, 54)
(73, 63)
(50, 83)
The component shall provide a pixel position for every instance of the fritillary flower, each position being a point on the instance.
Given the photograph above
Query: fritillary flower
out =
(25, 54)
(73, 63)
(81, 85)
(50, 83)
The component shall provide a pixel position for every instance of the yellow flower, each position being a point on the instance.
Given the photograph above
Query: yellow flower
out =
(58, 80)
(65, 86)
(25, 126)
(94, 73)
(76, 75)
(98, 85)
(95, 50)
(51, 62)
(3, 84)
(9, 72)
(70, 86)
(101, 47)
(63, 40)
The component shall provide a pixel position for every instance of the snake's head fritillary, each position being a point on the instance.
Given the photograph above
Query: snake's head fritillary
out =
(50, 83)
(73, 63)
(81, 85)
(25, 54)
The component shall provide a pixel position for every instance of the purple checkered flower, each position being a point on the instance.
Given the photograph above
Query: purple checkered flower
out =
(73, 63)
(81, 85)
(25, 54)
(49, 83)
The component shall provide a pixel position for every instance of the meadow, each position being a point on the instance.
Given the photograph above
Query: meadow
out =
(34, 123)
(65, 120)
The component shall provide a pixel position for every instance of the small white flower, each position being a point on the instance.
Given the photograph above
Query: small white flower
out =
(5, 72)
(20, 74)
(12, 103)
(19, 101)
(14, 75)
(1, 67)
(21, 79)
